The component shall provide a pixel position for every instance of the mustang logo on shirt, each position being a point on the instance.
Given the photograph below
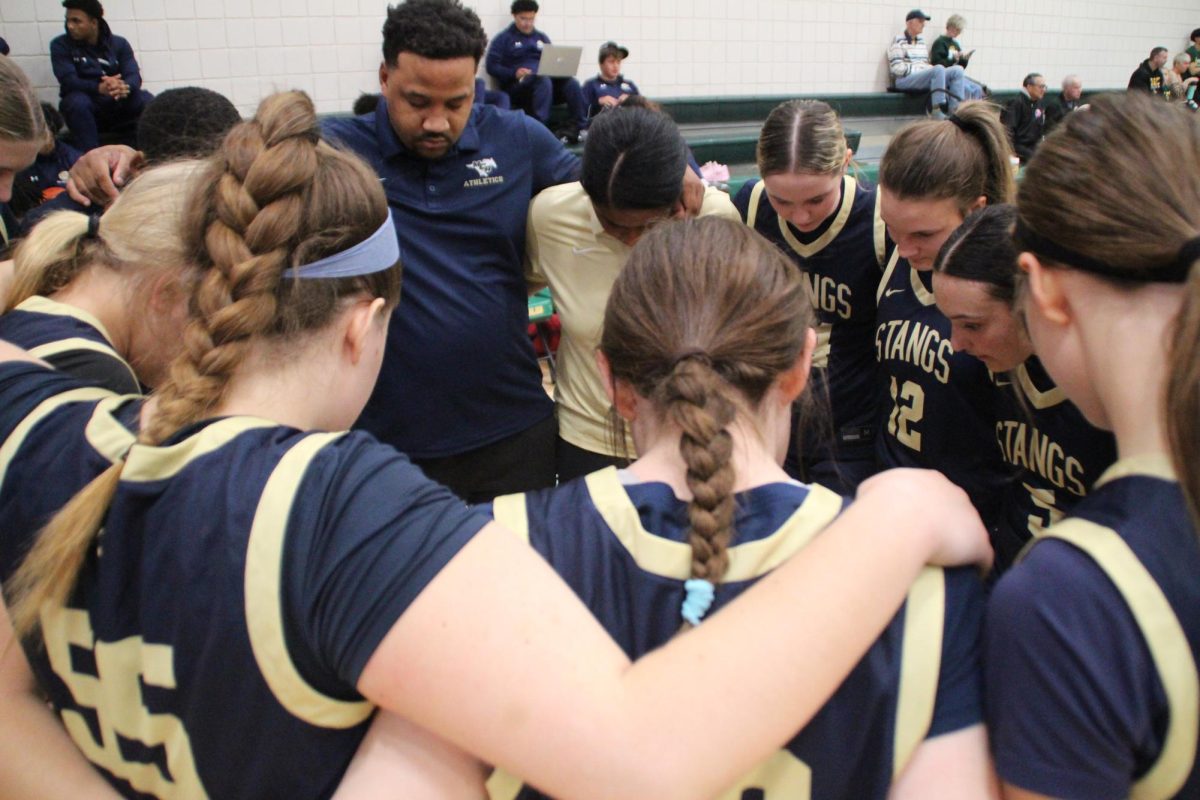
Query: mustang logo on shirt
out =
(484, 167)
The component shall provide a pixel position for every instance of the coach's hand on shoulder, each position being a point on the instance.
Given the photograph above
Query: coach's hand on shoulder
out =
(98, 174)
(924, 504)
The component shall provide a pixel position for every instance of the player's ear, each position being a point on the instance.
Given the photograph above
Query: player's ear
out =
(357, 327)
(1045, 289)
(619, 392)
(793, 380)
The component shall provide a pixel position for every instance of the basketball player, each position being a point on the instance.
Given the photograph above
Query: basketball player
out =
(578, 238)
(259, 588)
(828, 225)
(937, 402)
(1056, 453)
(1092, 637)
(104, 299)
(707, 343)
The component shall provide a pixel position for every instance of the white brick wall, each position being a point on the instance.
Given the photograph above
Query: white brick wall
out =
(331, 48)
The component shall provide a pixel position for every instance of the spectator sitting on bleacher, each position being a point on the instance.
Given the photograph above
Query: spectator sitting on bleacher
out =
(908, 62)
(46, 177)
(98, 77)
(1025, 117)
(609, 88)
(1148, 77)
(1180, 80)
(513, 58)
(947, 52)
(1194, 52)
(1066, 102)
(3, 47)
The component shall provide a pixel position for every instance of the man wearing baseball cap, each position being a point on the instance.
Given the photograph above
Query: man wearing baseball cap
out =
(609, 88)
(908, 61)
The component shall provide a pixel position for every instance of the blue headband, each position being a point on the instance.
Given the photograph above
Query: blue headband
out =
(379, 251)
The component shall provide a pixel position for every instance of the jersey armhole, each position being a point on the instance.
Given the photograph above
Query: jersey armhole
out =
(920, 664)
(1166, 641)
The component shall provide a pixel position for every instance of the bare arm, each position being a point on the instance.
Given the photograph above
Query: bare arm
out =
(37, 758)
(497, 615)
(949, 767)
(398, 759)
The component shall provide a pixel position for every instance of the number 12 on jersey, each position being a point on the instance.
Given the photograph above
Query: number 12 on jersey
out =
(908, 407)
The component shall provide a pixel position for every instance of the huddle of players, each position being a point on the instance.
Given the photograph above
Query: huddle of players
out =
(622, 541)
(901, 388)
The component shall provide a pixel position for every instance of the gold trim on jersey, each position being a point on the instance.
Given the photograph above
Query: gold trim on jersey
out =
(887, 274)
(1150, 465)
(155, 462)
(880, 232)
(509, 511)
(1037, 398)
(105, 433)
(1166, 641)
(50, 349)
(671, 559)
(925, 296)
(51, 404)
(920, 664)
(820, 359)
(849, 187)
(264, 595)
(503, 785)
(44, 305)
(755, 198)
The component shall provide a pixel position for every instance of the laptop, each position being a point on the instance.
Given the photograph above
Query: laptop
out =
(559, 61)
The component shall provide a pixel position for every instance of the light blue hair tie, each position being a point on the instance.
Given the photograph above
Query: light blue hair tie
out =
(699, 599)
(379, 251)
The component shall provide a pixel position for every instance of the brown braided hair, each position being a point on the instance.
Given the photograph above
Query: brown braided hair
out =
(703, 318)
(273, 197)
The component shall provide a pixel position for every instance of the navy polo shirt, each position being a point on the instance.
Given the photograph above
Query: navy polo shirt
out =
(459, 371)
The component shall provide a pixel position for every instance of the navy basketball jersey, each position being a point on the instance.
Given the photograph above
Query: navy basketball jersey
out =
(938, 405)
(1057, 453)
(245, 574)
(1093, 641)
(69, 339)
(623, 549)
(841, 262)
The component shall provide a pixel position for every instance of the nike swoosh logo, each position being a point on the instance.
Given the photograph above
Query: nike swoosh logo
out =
(581, 250)
(891, 292)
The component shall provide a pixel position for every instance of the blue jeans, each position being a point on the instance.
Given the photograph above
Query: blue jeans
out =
(944, 84)
(972, 90)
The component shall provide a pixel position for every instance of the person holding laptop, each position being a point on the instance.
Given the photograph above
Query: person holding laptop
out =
(514, 58)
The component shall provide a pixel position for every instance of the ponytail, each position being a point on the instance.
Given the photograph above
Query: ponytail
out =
(962, 158)
(699, 401)
(1183, 395)
(53, 254)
